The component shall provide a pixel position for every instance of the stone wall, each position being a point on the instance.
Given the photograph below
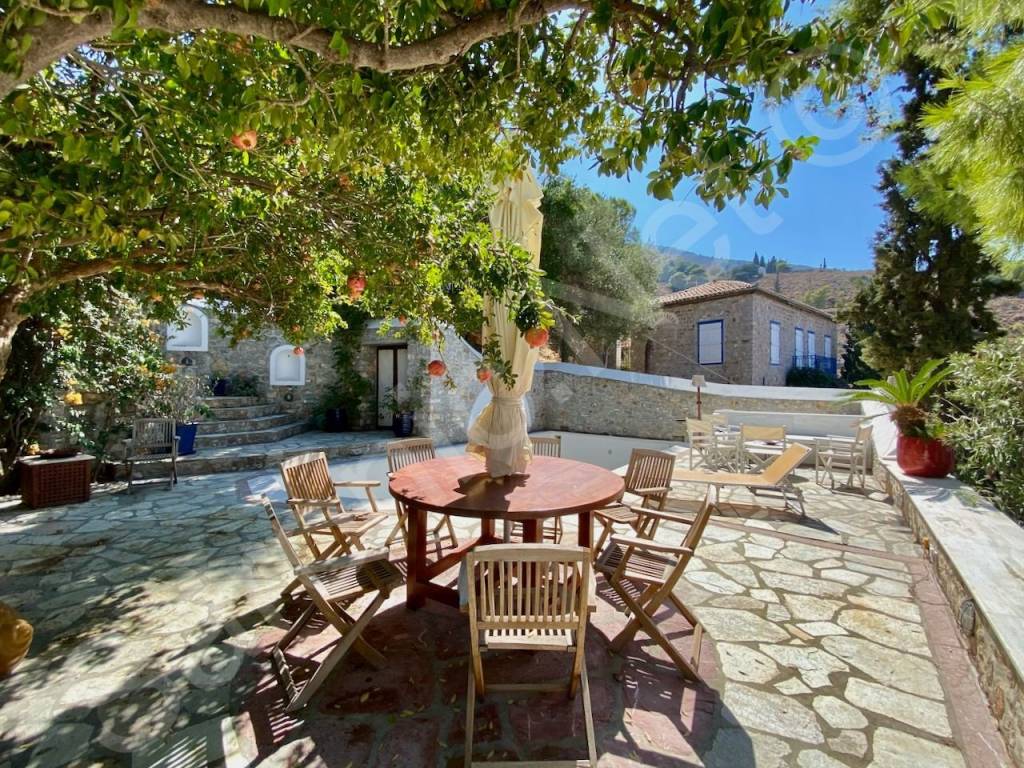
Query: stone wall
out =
(449, 409)
(975, 552)
(251, 357)
(601, 401)
(446, 411)
(746, 339)
(673, 340)
(765, 310)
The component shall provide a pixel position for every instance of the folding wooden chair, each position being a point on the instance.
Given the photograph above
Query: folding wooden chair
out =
(552, 527)
(402, 453)
(759, 446)
(310, 488)
(330, 584)
(648, 477)
(152, 440)
(531, 597)
(843, 455)
(714, 448)
(644, 574)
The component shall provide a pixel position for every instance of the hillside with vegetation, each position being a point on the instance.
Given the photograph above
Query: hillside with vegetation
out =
(822, 288)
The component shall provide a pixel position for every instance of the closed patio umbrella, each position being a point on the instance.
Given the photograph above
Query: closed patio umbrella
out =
(499, 434)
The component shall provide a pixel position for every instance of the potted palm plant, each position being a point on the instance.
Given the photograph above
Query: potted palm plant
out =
(920, 452)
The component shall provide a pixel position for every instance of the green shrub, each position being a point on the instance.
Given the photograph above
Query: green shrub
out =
(812, 377)
(986, 412)
(244, 385)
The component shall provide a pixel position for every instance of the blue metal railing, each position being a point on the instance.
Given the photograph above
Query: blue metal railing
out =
(826, 364)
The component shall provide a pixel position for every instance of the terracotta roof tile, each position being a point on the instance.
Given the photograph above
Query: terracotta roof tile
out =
(718, 289)
(714, 289)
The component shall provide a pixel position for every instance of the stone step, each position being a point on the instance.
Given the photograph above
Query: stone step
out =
(254, 424)
(266, 455)
(247, 437)
(232, 402)
(240, 412)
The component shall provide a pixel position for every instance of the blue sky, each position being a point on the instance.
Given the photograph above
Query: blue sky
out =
(832, 210)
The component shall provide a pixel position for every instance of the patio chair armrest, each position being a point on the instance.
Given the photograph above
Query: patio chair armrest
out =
(649, 545)
(660, 514)
(319, 525)
(313, 502)
(650, 491)
(844, 439)
(357, 484)
(345, 561)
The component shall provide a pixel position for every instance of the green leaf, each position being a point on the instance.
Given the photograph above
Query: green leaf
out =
(339, 45)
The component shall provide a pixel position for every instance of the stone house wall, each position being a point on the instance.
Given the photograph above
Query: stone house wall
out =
(765, 310)
(446, 411)
(746, 339)
(251, 357)
(674, 340)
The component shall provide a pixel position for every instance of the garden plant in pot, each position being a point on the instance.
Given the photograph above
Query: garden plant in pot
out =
(920, 451)
(219, 379)
(403, 406)
(342, 405)
(180, 397)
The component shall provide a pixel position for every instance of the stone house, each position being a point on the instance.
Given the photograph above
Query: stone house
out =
(292, 381)
(736, 333)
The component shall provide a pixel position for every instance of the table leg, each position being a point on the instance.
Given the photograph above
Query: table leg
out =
(415, 595)
(586, 532)
(487, 529)
(531, 531)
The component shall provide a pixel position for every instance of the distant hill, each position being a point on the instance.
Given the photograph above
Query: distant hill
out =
(715, 267)
(832, 288)
(823, 288)
(1009, 311)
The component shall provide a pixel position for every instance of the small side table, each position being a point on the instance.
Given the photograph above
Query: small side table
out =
(51, 482)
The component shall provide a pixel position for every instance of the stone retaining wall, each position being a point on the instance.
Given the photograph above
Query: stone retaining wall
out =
(976, 554)
(601, 401)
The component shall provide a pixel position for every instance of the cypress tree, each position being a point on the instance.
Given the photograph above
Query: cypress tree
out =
(932, 281)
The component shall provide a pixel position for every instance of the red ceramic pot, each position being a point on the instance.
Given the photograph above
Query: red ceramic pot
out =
(924, 456)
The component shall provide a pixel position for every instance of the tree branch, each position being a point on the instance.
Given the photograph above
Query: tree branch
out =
(58, 36)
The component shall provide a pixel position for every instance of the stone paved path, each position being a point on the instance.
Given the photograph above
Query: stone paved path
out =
(827, 645)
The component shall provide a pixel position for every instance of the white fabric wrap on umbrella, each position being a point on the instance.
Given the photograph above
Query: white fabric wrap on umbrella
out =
(499, 434)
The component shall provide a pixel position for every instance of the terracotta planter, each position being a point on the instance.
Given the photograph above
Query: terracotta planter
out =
(924, 456)
(15, 638)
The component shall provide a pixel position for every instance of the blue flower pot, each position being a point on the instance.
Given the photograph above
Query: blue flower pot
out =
(186, 438)
(402, 424)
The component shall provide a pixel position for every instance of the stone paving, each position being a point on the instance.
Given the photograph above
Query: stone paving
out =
(827, 645)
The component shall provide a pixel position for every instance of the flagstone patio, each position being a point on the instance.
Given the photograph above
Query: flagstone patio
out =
(828, 644)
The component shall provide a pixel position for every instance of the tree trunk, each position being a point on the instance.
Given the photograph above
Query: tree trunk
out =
(10, 318)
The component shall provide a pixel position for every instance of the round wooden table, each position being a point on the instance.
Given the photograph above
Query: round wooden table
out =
(460, 486)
